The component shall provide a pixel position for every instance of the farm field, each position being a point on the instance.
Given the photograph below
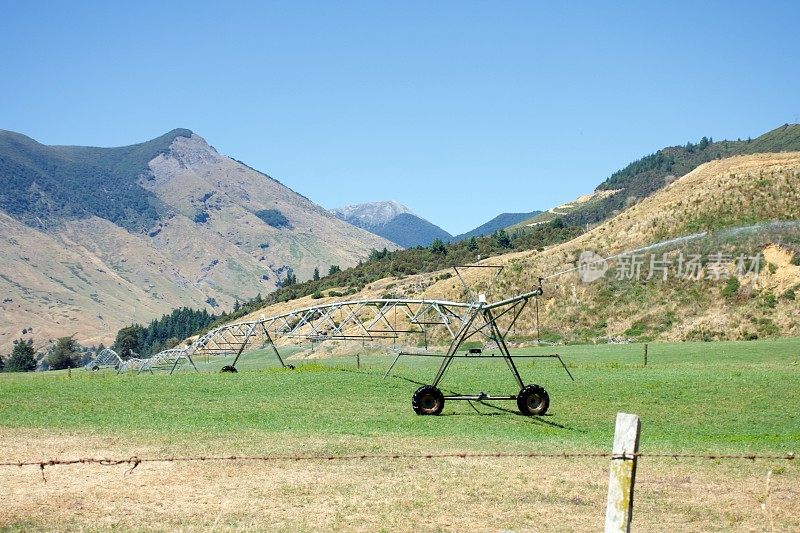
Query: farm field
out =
(725, 397)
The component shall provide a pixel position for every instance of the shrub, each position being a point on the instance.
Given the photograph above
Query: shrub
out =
(731, 287)
(770, 301)
(274, 218)
(767, 327)
(637, 329)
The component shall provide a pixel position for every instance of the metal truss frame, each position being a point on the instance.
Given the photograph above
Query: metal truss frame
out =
(367, 320)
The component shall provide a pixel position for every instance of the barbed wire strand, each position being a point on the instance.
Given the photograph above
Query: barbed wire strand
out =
(135, 461)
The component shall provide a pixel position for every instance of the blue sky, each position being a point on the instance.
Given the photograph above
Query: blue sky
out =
(461, 110)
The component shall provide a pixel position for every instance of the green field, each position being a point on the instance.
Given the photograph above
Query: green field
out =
(716, 397)
(737, 397)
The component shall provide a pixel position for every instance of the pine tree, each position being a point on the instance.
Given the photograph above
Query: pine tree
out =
(438, 247)
(316, 274)
(65, 354)
(290, 280)
(21, 359)
(502, 238)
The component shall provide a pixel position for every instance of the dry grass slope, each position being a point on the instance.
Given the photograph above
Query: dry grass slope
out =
(732, 192)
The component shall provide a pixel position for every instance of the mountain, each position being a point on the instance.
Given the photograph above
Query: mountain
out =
(651, 173)
(499, 222)
(97, 238)
(747, 204)
(393, 221)
(45, 185)
(370, 214)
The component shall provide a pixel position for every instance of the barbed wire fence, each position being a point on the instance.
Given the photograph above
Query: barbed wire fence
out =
(622, 474)
(135, 461)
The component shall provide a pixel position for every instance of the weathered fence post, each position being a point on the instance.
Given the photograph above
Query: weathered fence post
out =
(645, 354)
(358, 361)
(622, 474)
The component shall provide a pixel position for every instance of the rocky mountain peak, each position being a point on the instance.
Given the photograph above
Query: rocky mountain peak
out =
(193, 150)
(371, 213)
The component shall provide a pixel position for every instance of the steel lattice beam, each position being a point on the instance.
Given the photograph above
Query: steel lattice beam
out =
(368, 319)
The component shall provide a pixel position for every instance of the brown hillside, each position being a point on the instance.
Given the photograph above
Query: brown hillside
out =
(734, 192)
(90, 277)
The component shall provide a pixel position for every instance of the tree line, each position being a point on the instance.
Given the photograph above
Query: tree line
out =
(421, 259)
(166, 332)
(65, 353)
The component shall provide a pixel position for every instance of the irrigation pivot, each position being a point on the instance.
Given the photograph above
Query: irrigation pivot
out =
(385, 318)
(368, 319)
(481, 318)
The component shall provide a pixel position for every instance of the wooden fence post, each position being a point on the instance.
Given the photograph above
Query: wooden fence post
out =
(622, 474)
(645, 354)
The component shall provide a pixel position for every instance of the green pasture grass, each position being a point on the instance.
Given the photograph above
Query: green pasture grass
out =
(731, 397)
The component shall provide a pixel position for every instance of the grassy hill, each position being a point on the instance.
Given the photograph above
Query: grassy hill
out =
(409, 230)
(643, 177)
(747, 204)
(501, 221)
(45, 185)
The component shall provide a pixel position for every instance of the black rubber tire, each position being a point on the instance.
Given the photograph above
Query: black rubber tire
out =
(427, 400)
(533, 400)
(229, 369)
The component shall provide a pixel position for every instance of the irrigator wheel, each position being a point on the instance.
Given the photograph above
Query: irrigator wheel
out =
(533, 400)
(427, 400)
